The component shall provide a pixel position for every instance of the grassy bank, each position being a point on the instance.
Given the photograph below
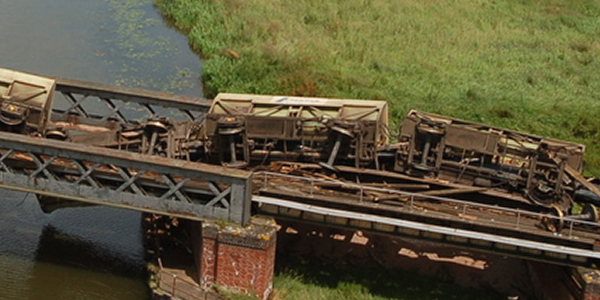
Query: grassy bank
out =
(323, 281)
(528, 65)
(315, 280)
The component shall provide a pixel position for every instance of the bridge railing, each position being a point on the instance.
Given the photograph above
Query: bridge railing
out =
(514, 218)
(99, 104)
(124, 179)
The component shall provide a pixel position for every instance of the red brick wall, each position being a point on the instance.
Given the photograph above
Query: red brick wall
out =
(246, 270)
(208, 259)
(240, 262)
(592, 297)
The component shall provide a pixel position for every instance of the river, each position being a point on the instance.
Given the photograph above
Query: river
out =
(93, 252)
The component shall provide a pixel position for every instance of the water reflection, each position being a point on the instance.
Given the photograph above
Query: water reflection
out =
(78, 253)
(121, 42)
(57, 247)
(69, 267)
(95, 252)
(50, 281)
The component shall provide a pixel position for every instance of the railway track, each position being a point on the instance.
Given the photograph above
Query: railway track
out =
(427, 209)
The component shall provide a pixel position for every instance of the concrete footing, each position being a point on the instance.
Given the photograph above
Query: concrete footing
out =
(240, 259)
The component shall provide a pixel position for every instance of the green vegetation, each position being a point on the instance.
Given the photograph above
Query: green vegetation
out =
(140, 50)
(315, 280)
(528, 65)
(321, 281)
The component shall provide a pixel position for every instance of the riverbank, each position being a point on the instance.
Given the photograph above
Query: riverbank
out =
(529, 66)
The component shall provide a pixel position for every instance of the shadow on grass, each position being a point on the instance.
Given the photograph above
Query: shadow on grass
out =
(314, 279)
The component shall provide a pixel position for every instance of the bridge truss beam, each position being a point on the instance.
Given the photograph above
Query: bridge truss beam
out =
(101, 104)
(124, 179)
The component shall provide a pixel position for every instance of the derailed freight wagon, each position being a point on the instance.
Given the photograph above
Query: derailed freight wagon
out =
(545, 171)
(240, 128)
(25, 102)
(502, 165)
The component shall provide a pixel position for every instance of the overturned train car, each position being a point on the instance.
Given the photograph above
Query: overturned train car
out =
(240, 129)
(545, 171)
(25, 102)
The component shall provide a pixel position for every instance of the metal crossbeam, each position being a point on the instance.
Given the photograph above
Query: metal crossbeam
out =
(175, 189)
(76, 105)
(124, 179)
(151, 104)
(4, 156)
(85, 174)
(41, 166)
(114, 110)
(130, 181)
(219, 198)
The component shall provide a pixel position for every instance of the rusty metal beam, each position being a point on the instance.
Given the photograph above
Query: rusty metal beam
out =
(433, 210)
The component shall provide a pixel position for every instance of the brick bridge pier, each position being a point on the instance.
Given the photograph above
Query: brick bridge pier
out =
(239, 258)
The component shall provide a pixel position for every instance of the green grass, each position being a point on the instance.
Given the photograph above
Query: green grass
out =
(315, 280)
(525, 65)
(312, 279)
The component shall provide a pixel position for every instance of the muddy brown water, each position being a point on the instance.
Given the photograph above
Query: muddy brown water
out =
(93, 252)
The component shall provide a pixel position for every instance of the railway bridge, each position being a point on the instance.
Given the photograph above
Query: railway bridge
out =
(232, 246)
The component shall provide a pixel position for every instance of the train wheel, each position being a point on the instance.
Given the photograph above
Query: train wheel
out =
(555, 221)
(56, 134)
(591, 211)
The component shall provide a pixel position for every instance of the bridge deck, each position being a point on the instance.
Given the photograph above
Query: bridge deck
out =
(480, 226)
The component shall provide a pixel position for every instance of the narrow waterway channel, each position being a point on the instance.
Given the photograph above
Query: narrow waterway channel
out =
(94, 252)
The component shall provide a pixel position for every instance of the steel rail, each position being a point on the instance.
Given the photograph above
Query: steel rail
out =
(446, 231)
(463, 204)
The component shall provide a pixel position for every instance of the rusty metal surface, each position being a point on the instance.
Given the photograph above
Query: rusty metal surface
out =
(241, 128)
(89, 105)
(334, 140)
(467, 153)
(422, 206)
